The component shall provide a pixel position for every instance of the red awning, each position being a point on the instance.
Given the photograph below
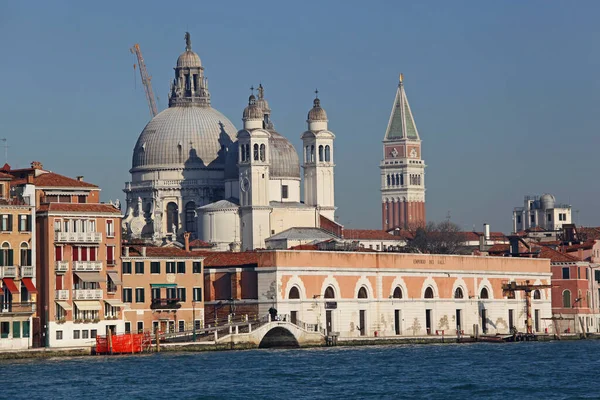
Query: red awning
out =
(10, 285)
(29, 285)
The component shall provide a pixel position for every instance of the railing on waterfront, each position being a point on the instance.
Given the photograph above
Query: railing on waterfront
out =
(165, 304)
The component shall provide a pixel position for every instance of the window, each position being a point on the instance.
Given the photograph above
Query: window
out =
(4, 329)
(16, 329)
(6, 255)
(284, 191)
(140, 326)
(84, 334)
(537, 295)
(255, 152)
(321, 153)
(155, 293)
(587, 274)
(25, 254)
(329, 293)
(567, 299)
(110, 255)
(25, 329)
(312, 153)
(578, 272)
(76, 334)
(154, 326)
(197, 324)
(484, 294)
(294, 293)
(170, 267)
(126, 267)
(127, 295)
(111, 287)
(429, 293)
(127, 327)
(139, 267)
(190, 218)
(518, 219)
(327, 153)
(181, 267)
(362, 293)
(24, 223)
(458, 293)
(155, 267)
(532, 217)
(171, 293)
(139, 295)
(6, 223)
(181, 325)
(549, 217)
(59, 334)
(172, 218)
(565, 273)
(397, 293)
(110, 228)
(197, 294)
(263, 156)
(197, 267)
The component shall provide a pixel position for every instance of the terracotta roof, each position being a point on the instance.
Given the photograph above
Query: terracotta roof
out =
(535, 229)
(555, 256)
(312, 247)
(230, 259)
(583, 246)
(200, 244)
(591, 233)
(79, 207)
(51, 179)
(153, 251)
(499, 249)
(330, 226)
(474, 236)
(4, 176)
(368, 234)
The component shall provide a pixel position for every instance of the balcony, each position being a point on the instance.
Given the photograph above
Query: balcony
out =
(61, 267)
(78, 237)
(87, 294)
(89, 266)
(8, 272)
(26, 271)
(165, 304)
(17, 308)
(62, 295)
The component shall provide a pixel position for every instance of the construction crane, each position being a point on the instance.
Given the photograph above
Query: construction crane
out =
(509, 289)
(146, 79)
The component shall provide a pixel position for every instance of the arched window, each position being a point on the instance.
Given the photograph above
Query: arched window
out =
(312, 153)
(429, 293)
(190, 218)
(242, 153)
(307, 155)
(536, 295)
(397, 293)
(263, 156)
(172, 217)
(567, 299)
(362, 293)
(393, 180)
(294, 293)
(327, 154)
(388, 180)
(397, 179)
(255, 152)
(419, 178)
(321, 153)
(329, 293)
(6, 256)
(484, 294)
(25, 254)
(458, 293)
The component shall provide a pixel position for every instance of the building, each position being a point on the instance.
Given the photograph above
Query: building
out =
(18, 291)
(541, 212)
(162, 289)
(402, 169)
(77, 258)
(193, 171)
(381, 294)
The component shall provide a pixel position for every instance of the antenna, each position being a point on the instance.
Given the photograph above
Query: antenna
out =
(5, 150)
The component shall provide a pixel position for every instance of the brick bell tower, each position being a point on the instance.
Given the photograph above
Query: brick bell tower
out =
(402, 169)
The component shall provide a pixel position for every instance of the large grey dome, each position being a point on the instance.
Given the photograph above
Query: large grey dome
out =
(188, 59)
(180, 137)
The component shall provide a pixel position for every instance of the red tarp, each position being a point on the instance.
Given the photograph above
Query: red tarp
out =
(125, 343)
(10, 285)
(29, 285)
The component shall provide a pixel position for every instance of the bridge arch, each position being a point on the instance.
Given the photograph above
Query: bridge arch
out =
(278, 337)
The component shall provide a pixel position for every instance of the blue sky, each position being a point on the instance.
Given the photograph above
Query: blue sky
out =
(505, 94)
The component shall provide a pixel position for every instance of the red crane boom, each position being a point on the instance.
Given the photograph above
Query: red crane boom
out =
(146, 80)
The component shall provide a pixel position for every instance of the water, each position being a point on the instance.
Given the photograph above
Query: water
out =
(548, 370)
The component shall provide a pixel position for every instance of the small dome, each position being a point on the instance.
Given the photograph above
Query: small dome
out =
(252, 111)
(317, 113)
(284, 158)
(547, 201)
(189, 59)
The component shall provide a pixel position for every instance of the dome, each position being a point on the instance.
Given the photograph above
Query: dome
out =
(183, 136)
(252, 111)
(317, 113)
(284, 159)
(547, 201)
(188, 59)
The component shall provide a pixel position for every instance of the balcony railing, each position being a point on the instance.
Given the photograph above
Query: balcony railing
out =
(78, 237)
(62, 295)
(87, 266)
(87, 294)
(62, 267)
(17, 308)
(165, 304)
(8, 271)
(26, 271)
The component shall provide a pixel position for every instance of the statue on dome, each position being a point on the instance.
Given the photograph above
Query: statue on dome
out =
(188, 42)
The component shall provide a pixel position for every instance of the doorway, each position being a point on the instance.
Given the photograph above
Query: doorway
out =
(458, 321)
(363, 322)
(163, 325)
(536, 320)
(294, 317)
(428, 321)
(397, 319)
(483, 320)
(329, 321)
(511, 321)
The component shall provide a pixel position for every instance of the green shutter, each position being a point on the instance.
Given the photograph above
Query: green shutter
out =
(29, 257)
(29, 223)
(1, 258)
(10, 257)
(10, 223)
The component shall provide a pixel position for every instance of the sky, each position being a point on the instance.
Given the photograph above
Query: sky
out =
(505, 94)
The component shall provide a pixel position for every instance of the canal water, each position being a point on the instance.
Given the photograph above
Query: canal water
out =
(548, 370)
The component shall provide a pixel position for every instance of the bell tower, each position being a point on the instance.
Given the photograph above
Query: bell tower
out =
(402, 169)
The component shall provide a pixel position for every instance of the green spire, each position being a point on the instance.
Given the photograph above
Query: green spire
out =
(402, 124)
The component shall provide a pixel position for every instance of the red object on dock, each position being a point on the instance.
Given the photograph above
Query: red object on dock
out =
(124, 343)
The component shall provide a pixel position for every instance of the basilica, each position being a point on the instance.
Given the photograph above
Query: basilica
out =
(193, 171)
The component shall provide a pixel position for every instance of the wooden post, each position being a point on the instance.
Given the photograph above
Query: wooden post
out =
(131, 336)
(110, 347)
(157, 341)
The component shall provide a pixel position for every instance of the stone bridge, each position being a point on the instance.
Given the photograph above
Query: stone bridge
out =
(276, 334)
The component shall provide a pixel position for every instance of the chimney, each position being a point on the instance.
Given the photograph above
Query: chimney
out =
(80, 178)
(30, 179)
(36, 165)
(186, 237)
(144, 251)
(486, 231)
(126, 251)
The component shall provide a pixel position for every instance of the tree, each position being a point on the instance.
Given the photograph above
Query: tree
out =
(436, 238)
